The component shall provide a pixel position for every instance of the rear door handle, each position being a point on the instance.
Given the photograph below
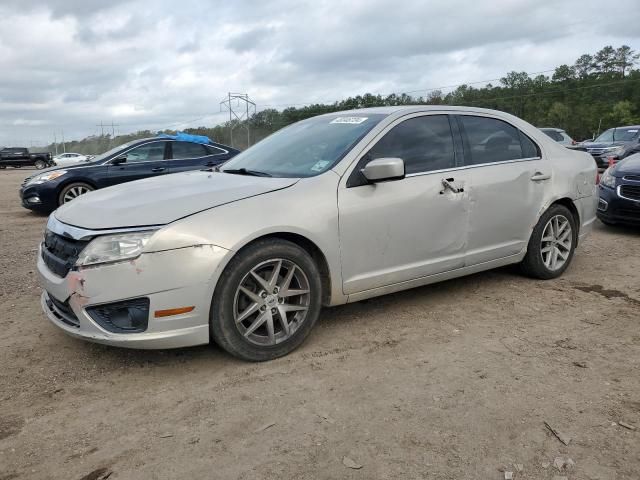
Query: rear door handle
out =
(449, 183)
(158, 169)
(539, 177)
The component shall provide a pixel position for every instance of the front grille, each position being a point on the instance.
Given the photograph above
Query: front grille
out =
(595, 151)
(63, 311)
(632, 178)
(630, 191)
(60, 253)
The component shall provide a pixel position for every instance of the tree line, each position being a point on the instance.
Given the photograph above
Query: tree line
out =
(597, 92)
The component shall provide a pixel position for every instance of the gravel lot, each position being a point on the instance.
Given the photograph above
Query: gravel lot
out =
(450, 381)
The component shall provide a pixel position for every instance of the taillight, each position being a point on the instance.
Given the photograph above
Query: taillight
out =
(573, 142)
(597, 178)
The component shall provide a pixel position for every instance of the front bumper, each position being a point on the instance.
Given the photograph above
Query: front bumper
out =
(169, 279)
(41, 197)
(614, 209)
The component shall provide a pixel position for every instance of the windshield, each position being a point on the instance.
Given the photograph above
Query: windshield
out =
(306, 148)
(618, 135)
(108, 153)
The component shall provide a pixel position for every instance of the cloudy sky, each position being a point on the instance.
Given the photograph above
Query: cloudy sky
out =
(70, 64)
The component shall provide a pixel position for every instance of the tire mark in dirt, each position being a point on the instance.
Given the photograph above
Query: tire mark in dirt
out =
(608, 293)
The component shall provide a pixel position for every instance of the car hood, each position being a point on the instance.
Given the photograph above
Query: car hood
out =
(628, 166)
(162, 200)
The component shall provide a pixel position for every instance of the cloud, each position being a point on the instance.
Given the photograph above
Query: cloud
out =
(152, 64)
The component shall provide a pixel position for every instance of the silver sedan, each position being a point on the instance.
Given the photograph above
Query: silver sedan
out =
(333, 209)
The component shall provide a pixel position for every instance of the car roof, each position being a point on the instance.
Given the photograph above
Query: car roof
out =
(413, 108)
(627, 126)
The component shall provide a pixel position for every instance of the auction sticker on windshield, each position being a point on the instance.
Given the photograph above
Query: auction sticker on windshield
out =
(350, 120)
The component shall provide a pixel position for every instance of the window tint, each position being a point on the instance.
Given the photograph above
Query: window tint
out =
(146, 153)
(424, 143)
(187, 150)
(557, 136)
(492, 140)
(529, 149)
(213, 150)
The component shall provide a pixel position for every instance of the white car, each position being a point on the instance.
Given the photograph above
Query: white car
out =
(330, 210)
(66, 159)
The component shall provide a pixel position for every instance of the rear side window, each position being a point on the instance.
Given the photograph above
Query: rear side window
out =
(183, 150)
(557, 136)
(424, 143)
(489, 140)
(214, 150)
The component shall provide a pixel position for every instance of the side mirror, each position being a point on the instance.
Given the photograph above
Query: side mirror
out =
(119, 161)
(384, 169)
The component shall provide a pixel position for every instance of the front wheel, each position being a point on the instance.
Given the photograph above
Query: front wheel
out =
(39, 164)
(552, 244)
(72, 191)
(267, 301)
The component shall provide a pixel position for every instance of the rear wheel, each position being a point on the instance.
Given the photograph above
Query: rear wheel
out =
(73, 190)
(267, 301)
(40, 164)
(552, 244)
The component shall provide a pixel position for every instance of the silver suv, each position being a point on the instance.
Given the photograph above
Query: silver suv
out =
(333, 209)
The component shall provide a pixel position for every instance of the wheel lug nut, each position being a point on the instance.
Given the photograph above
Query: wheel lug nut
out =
(263, 308)
(273, 310)
(263, 294)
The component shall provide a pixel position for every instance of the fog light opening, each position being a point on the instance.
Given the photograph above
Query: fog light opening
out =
(129, 316)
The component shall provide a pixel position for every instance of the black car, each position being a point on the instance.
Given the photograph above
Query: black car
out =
(135, 160)
(618, 143)
(620, 193)
(18, 157)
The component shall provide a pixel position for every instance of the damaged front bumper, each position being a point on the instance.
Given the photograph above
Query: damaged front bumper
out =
(171, 280)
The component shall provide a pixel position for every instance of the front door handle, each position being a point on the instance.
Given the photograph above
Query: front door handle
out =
(539, 177)
(158, 169)
(449, 183)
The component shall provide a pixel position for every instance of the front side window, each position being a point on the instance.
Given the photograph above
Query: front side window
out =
(182, 150)
(307, 148)
(146, 153)
(490, 140)
(424, 143)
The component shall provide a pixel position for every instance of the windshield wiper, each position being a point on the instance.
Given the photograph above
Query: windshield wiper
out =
(244, 171)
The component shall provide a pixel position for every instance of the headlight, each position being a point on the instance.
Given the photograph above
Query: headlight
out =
(45, 177)
(114, 248)
(607, 179)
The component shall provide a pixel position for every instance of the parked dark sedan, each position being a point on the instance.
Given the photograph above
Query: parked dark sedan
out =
(135, 160)
(620, 193)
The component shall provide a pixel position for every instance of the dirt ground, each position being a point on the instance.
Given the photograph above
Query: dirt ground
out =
(450, 381)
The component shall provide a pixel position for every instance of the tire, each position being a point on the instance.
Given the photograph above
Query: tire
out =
(539, 261)
(72, 191)
(40, 164)
(262, 335)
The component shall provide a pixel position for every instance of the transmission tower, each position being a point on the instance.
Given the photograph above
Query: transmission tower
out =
(240, 106)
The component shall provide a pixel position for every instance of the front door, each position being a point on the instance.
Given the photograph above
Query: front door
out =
(402, 230)
(509, 179)
(147, 160)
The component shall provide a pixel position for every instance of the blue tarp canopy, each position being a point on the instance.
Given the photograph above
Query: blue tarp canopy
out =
(186, 137)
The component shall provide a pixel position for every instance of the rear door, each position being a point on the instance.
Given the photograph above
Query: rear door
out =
(194, 156)
(509, 178)
(144, 161)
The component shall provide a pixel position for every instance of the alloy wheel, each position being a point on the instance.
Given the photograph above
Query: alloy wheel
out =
(75, 192)
(271, 302)
(556, 243)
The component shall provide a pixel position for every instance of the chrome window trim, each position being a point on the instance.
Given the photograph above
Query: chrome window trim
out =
(77, 233)
(619, 192)
(466, 167)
